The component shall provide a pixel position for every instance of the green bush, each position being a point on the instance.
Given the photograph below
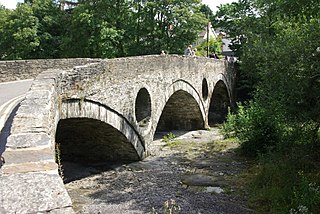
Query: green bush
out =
(168, 137)
(286, 183)
(257, 130)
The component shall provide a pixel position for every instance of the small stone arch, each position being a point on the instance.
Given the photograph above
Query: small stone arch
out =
(102, 120)
(205, 90)
(181, 109)
(219, 103)
(143, 107)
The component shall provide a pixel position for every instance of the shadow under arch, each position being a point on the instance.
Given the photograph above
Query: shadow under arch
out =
(90, 131)
(182, 109)
(219, 103)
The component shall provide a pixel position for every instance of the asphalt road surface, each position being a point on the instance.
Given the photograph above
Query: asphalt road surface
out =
(11, 94)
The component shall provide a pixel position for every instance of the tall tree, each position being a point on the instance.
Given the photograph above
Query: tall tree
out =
(20, 39)
(166, 25)
(96, 29)
(4, 17)
(32, 30)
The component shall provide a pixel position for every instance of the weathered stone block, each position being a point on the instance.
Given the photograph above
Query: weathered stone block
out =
(33, 193)
(28, 140)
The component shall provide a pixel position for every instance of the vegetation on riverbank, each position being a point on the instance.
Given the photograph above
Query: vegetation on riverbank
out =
(278, 118)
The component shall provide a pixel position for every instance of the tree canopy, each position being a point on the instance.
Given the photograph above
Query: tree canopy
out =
(98, 28)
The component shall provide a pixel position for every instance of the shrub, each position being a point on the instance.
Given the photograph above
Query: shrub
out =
(168, 137)
(286, 183)
(257, 130)
(170, 207)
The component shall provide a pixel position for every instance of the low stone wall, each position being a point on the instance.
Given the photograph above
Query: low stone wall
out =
(29, 69)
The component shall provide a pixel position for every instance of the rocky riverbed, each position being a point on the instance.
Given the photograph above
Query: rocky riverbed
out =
(196, 172)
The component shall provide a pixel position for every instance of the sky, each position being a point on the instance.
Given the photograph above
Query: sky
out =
(214, 3)
(11, 4)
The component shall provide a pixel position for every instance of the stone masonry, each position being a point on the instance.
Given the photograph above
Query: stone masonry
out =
(29, 69)
(105, 110)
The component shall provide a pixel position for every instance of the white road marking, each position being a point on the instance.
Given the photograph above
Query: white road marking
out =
(7, 108)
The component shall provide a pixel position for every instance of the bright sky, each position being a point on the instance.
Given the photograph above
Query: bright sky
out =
(211, 3)
(11, 4)
(214, 3)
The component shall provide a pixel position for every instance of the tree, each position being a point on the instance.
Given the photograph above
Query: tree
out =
(4, 16)
(19, 38)
(167, 25)
(96, 29)
(215, 45)
(32, 30)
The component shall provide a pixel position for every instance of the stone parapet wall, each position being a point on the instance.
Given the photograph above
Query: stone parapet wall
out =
(28, 69)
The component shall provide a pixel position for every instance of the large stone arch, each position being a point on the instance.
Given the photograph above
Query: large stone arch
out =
(99, 118)
(182, 104)
(226, 82)
(220, 101)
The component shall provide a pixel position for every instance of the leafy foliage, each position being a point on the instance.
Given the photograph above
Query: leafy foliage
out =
(31, 31)
(279, 51)
(169, 137)
(98, 28)
(214, 44)
(165, 25)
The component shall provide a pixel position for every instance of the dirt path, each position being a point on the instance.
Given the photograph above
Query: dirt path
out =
(197, 170)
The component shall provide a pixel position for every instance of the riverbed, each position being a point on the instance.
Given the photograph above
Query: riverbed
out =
(196, 172)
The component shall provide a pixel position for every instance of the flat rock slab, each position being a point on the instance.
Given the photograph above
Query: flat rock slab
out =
(33, 193)
(199, 180)
(22, 161)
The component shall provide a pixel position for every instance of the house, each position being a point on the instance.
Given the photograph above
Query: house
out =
(202, 36)
(226, 40)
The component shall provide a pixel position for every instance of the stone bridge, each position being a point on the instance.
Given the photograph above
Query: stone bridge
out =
(105, 110)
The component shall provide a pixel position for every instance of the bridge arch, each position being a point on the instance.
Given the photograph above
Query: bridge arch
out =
(86, 121)
(220, 101)
(143, 108)
(181, 109)
(205, 89)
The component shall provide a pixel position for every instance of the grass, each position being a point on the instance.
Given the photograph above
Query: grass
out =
(169, 207)
(286, 182)
(223, 152)
(168, 137)
(58, 160)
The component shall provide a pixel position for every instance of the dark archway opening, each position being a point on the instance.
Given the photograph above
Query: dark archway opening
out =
(181, 112)
(205, 90)
(219, 104)
(143, 107)
(90, 143)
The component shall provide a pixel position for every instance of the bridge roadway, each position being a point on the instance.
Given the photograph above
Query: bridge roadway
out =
(11, 94)
(107, 110)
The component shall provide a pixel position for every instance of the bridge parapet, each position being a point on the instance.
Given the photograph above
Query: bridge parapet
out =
(28, 69)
